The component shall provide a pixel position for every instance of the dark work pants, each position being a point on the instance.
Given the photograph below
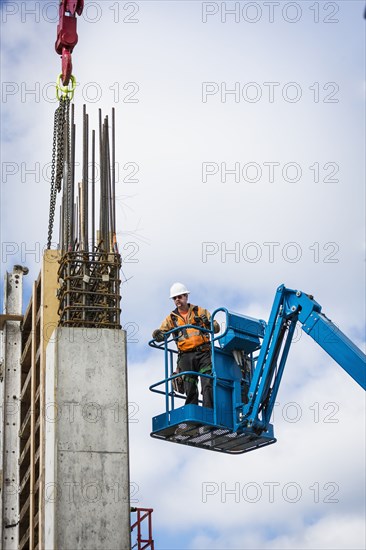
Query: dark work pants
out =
(197, 361)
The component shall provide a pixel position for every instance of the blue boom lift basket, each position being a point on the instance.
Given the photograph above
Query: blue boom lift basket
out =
(245, 385)
(221, 428)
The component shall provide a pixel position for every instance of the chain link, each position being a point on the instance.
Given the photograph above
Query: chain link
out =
(61, 117)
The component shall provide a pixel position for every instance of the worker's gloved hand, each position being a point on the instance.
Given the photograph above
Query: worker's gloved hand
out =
(216, 327)
(205, 321)
(202, 320)
(158, 335)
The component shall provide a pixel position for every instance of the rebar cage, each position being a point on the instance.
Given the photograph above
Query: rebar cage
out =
(89, 291)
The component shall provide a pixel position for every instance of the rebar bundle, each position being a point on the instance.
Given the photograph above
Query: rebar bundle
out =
(89, 290)
(89, 273)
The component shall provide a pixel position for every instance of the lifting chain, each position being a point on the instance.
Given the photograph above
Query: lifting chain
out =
(62, 115)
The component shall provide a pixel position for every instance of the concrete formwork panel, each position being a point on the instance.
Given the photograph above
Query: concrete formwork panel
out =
(86, 453)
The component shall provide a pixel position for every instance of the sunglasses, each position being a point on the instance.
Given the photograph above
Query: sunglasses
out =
(178, 297)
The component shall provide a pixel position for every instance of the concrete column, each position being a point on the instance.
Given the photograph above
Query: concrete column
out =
(87, 504)
(10, 386)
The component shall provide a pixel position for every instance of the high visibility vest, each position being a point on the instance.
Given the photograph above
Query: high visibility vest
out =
(188, 338)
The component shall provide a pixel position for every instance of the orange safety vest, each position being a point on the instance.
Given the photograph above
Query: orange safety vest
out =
(188, 338)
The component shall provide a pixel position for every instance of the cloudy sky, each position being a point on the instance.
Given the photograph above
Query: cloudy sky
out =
(240, 150)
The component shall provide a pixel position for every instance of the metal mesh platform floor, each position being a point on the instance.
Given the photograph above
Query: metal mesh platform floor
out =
(213, 438)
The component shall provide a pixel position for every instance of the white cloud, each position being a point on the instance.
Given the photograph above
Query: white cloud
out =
(332, 532)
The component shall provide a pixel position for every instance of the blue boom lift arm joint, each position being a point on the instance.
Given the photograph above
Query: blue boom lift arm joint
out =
(289, 307)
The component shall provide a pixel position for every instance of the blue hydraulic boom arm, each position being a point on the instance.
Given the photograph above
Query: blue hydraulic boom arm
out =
(289, 307)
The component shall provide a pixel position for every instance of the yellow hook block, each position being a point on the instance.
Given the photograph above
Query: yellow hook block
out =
(63, 92)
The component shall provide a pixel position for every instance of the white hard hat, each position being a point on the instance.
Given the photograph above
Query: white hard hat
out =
(178, 288)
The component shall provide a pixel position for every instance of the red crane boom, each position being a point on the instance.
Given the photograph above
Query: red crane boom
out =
(67, 37)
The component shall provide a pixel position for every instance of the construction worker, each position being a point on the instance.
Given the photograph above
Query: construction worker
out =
(194, 348)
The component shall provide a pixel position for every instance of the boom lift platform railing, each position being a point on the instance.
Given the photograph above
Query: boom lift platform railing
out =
(248, 361)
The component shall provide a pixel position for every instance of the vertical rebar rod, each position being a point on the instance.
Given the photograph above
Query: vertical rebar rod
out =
(105, 198)
(62, 221)
(85, 180)
(108, 183)
(93, 193)
(80, 216)
(82, 202)
(86, 184)
(114, 172)
(65, 186)
(109, 189)
(101, 169)
(60, 230)
(72, 190)
(75, 225)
